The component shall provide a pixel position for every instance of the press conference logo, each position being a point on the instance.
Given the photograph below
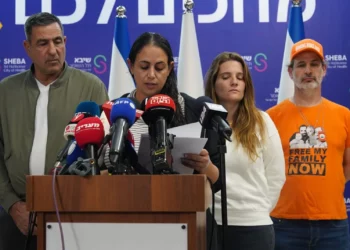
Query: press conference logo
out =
(14, 61)
(260, 61)
(13, 65)
(218, 12)
(339, 61)
(100, 65)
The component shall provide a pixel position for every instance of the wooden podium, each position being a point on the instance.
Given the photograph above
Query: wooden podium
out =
(121, 199)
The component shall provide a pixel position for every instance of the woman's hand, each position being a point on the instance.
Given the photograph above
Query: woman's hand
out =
(200, 162)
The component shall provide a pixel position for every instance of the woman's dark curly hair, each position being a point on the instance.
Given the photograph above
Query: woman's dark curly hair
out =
(170, 87)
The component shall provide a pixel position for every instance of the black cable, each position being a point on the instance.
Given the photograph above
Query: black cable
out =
(222, 151)
(31, 224)
(213, 213)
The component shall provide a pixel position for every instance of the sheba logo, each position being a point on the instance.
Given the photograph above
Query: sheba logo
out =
(309, 161)
(14, 61)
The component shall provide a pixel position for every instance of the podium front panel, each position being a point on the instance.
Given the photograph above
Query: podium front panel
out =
(111, 236)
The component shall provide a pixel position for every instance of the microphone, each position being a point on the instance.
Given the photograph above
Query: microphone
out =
(74, 152)
(123, 117)
(139, 110)
(89, 135)
(121, 167)
(106, 108)
(159, 112)
(213, 117)
(139, 114)
(83, 110)
(130, 158)
(105, 116)
(88, 107)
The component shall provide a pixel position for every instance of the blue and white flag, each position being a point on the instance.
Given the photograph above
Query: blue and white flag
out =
(120, 79)
(295, 33)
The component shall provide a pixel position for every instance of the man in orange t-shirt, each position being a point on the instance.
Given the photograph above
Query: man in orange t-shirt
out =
(315, 135)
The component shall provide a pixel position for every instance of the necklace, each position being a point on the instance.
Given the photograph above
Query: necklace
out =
(312, 132)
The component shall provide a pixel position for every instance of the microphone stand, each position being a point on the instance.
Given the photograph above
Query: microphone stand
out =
(167, 167)
(92, 154)
(222, 152)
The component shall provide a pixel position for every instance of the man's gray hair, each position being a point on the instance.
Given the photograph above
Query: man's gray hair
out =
(40, 19)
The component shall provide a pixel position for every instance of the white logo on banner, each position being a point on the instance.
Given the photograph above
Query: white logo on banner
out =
(82, 63)
(273, 96)
(144, 16)
(14, 61)
(13, 65)
(221, 11)
(337, 61)
(347, 203)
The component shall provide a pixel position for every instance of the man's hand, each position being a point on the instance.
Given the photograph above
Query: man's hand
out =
(20, 216)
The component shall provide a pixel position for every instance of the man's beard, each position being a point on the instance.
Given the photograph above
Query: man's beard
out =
(308, 85)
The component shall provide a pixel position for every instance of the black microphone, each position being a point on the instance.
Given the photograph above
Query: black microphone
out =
(159, 112)
(129, 160)
(213, 117)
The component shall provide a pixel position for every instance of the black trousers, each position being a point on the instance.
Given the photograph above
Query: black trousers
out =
(10, 236)
(247, 238)
(211, 232)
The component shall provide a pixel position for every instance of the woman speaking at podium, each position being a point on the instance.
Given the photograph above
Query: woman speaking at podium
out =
(151, 65)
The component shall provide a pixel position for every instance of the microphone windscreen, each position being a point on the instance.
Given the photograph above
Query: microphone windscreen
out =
(123, 108)
(159, 106)
(160, 101)
(89, 131)
(69, 130)
(88, 107)
(106, 108)
(74, 152)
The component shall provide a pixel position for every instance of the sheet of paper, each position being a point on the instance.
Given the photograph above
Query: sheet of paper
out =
(182, 145)
(192, 130)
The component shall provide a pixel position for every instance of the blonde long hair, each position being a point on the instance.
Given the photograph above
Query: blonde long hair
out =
(248, 118)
